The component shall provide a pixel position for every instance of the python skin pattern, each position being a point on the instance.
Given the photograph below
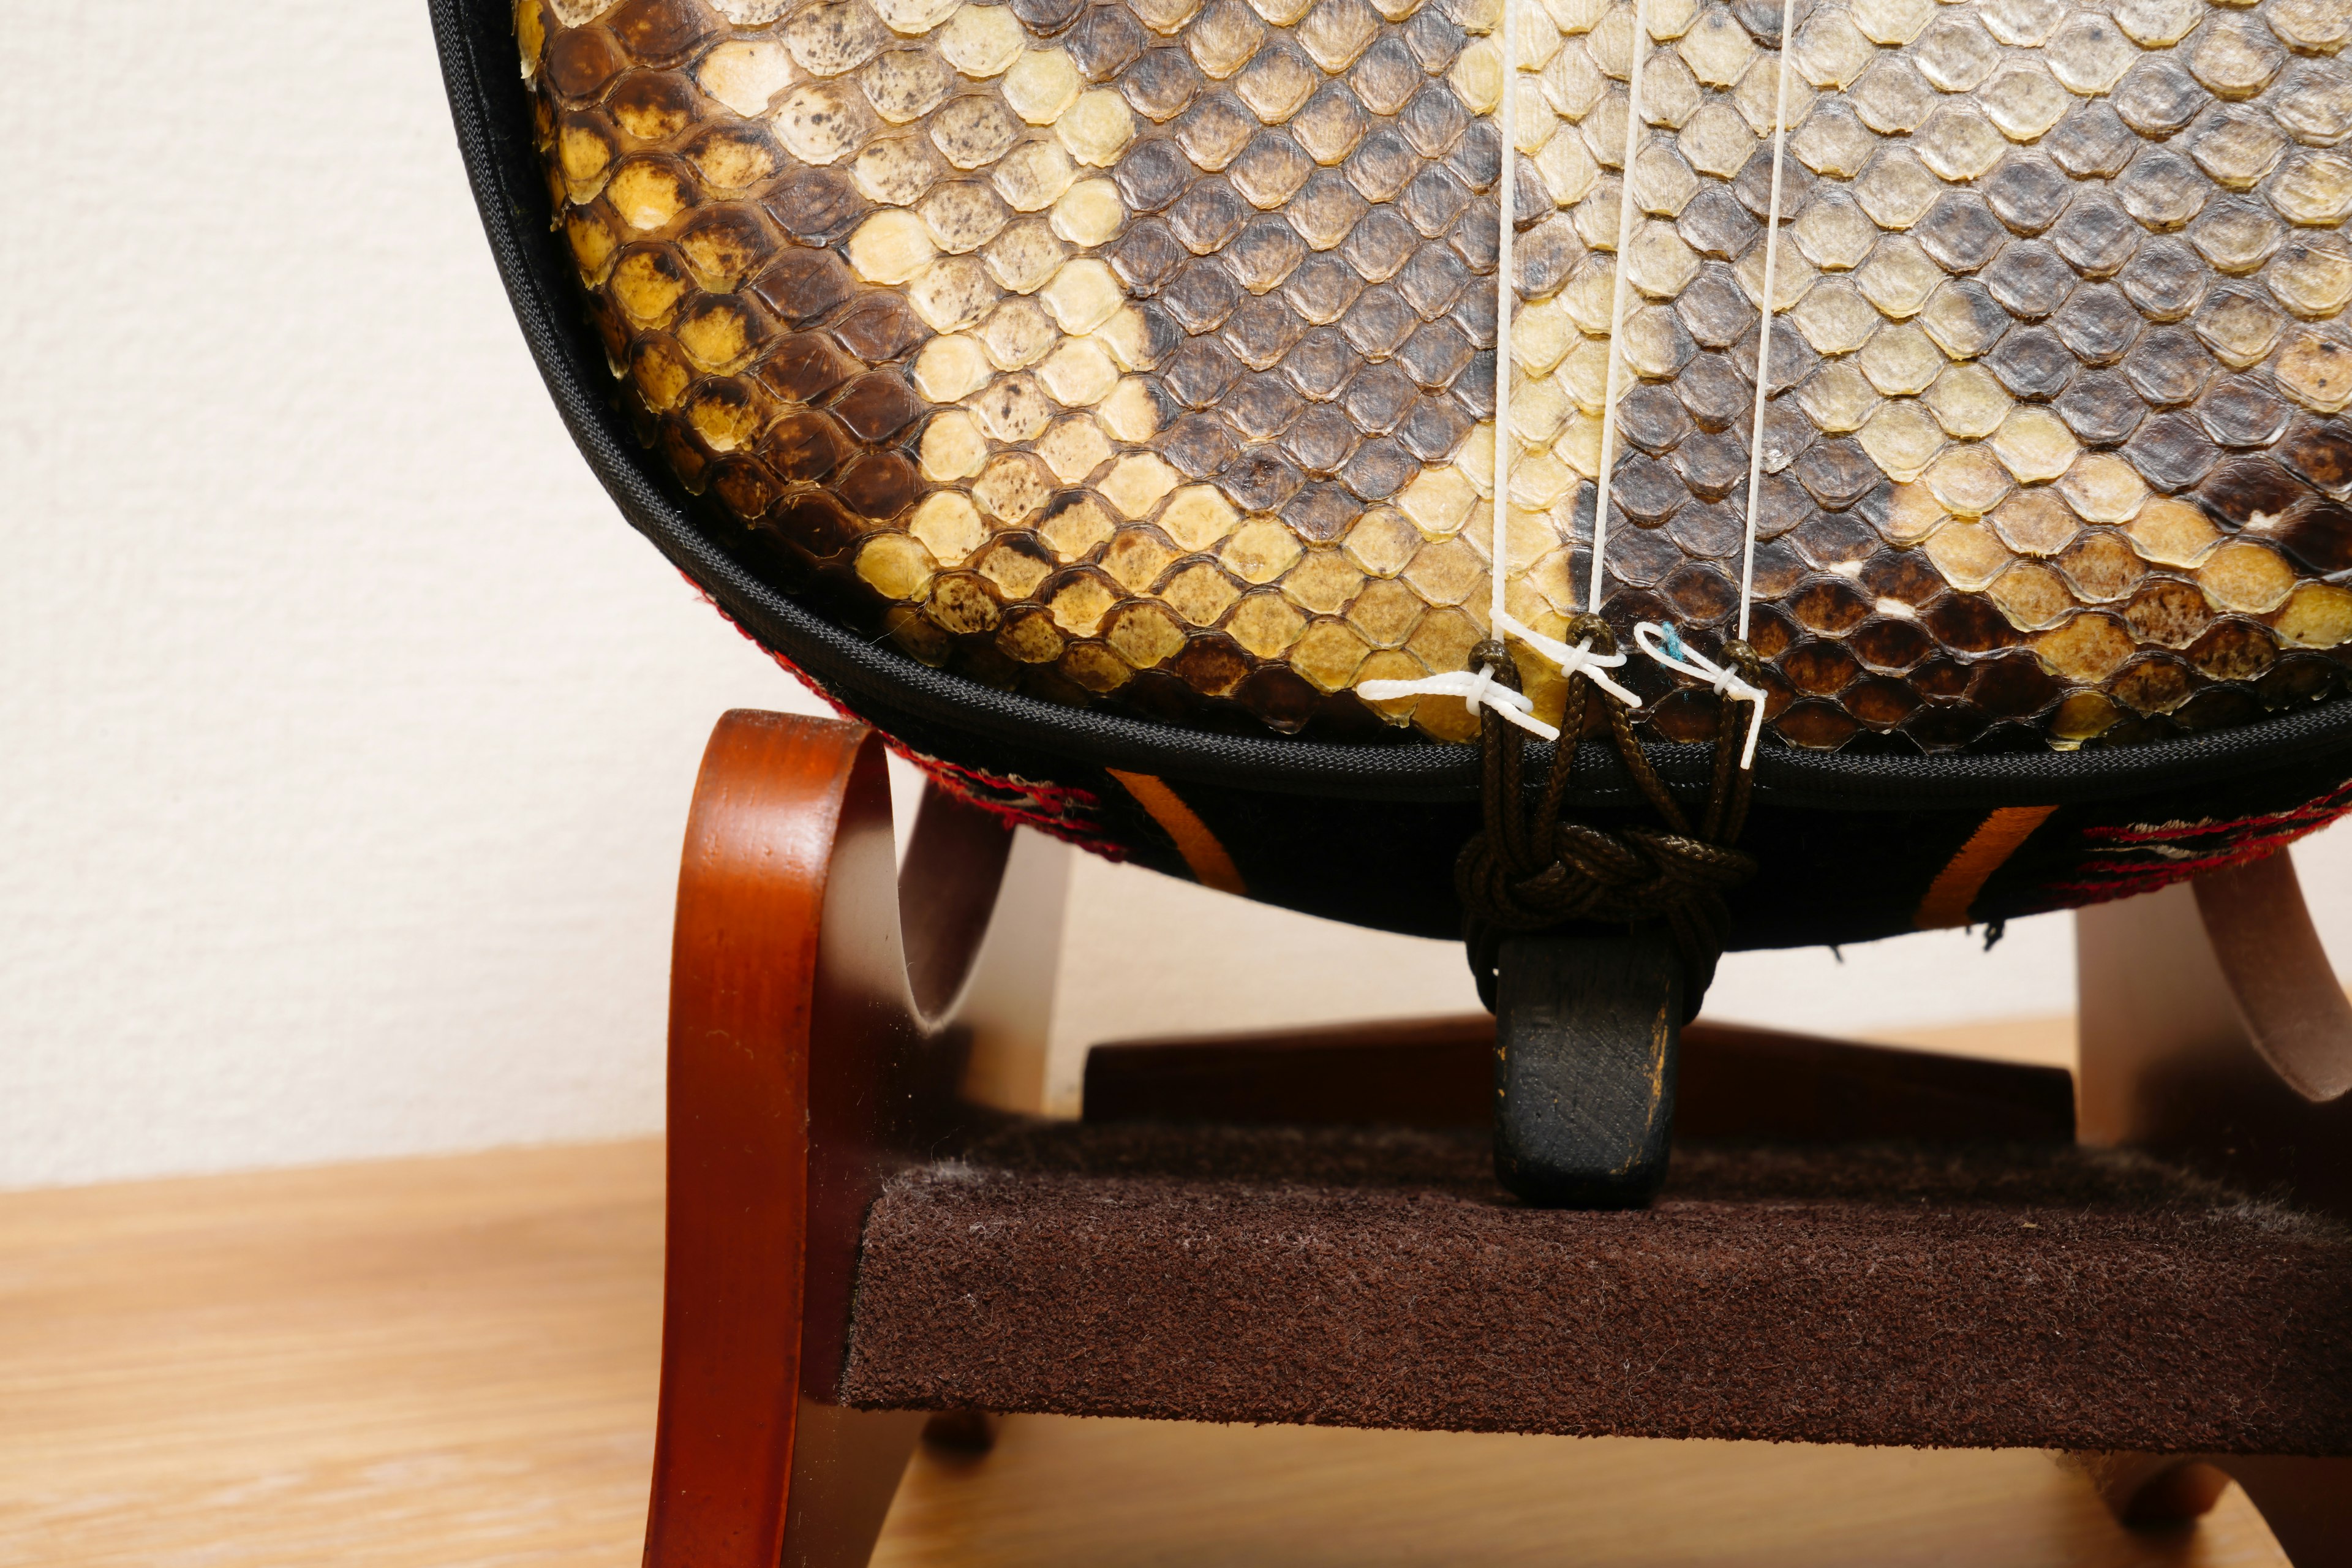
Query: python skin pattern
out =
(1141, 354)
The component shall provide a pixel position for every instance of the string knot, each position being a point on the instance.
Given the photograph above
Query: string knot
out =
(1489, 686)
(1585, 658)
(1529, 870)
(1491, 657)
(1626, 877)
(1587, 628)
(1665, 646)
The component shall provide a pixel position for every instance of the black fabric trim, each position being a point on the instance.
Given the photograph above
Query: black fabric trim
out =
(477, 60)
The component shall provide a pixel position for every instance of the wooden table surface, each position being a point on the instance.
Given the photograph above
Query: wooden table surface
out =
(451, 1363)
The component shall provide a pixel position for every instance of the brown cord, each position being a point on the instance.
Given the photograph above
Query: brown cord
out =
(1528, 870)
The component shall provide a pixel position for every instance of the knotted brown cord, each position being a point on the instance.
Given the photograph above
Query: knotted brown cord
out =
(1529, 868)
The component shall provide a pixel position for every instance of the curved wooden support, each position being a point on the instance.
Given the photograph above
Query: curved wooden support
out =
(2212, 1029)
(2289, 1002)
(966, 1433)
(1586, 1031)
(2226, 965)
(2306, 1502)
(2151, 1492)
(811, 1052)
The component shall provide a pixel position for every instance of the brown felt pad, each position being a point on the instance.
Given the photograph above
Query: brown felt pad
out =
(1997, 1298)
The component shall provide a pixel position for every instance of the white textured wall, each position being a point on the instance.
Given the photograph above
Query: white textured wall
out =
(346, 732)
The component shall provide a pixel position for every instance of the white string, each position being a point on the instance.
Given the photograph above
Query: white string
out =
(1675, 654)
(1660, 642)
(1506, 303)
(1572, 661)
(1619, 289)
(1764, 332)
(1475, 689)
(1580, 659)
(1681, 658)
(1479, 689)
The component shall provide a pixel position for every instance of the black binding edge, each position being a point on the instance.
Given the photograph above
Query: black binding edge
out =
(482, 75)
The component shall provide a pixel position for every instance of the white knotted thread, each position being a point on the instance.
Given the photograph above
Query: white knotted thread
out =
(1476, 689)
(1683, 659)
(1479, 689)
(1572, 661)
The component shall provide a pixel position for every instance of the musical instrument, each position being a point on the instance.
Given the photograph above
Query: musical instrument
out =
(1101, 397)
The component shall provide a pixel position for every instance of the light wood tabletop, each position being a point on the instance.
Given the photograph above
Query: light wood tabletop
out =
(451, 1361)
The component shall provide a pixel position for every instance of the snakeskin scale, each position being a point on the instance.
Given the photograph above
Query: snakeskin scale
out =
(1141, 353)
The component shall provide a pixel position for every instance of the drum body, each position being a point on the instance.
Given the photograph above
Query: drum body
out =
(1095, 396)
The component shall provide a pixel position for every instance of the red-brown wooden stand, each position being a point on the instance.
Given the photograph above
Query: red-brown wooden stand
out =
(825, 1031)
(813, 1048)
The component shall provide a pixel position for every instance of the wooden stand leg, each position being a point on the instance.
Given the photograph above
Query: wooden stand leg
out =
(2306, 1502)
(969, 1433)
(811, 1051)
(2211, 1004)
(2151, 1492)
(845, 1470)
(2213, 1031)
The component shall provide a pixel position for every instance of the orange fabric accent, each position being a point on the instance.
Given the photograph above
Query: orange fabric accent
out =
(1211, 866)
(1956, 887)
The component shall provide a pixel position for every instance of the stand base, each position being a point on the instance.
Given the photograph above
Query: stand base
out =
(825, 1013)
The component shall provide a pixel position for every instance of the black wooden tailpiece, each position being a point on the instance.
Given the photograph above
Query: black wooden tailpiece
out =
(1586, 1034)
(1586, 1028)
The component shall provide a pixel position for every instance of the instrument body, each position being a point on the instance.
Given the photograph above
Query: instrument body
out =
(1095, 587)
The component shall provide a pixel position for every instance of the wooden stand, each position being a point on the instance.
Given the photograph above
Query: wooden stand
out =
(818, 1040)
(833, 1022)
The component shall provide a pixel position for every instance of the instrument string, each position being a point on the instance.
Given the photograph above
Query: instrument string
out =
(1479, 687)
(1525, 869)
(1621, 286)
(1764, 326)
(1506, 307)
(1661, 642)
(1580, 659)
